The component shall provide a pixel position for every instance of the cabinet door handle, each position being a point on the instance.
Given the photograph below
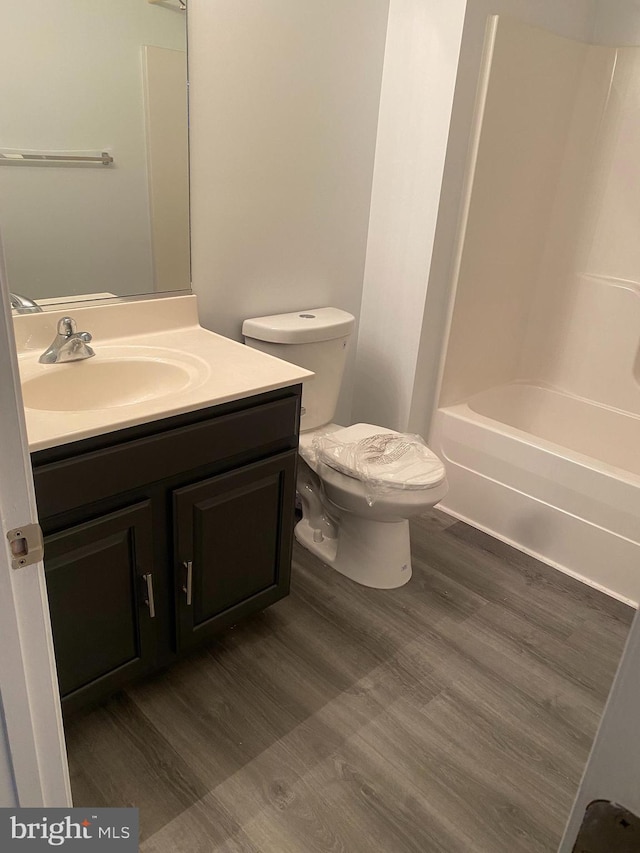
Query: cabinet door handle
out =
(149, 600)
(188, 587)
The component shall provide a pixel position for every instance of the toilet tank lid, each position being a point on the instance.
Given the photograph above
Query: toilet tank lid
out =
(300, 327)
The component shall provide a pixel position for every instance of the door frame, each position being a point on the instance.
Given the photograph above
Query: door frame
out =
(29, 698)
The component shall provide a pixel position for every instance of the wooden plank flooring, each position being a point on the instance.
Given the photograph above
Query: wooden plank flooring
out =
(454, 715)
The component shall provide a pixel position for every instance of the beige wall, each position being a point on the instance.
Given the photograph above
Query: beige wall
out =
(608, 242)
(584, 329)
(572, 19)
(549, 280)
(525, 127)
(283, 107)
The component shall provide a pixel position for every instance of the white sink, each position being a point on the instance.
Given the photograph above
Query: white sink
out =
(152, 360)
(116, 376)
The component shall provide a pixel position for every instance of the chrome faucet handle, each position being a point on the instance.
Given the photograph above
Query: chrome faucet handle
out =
(68, 345)
(67, 326)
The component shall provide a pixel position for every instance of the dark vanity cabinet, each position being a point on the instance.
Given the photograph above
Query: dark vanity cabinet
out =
(229, 545)
(94, 571)
(161, 535)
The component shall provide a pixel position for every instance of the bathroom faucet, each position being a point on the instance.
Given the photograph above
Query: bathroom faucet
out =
(68, 345)
(22, 304)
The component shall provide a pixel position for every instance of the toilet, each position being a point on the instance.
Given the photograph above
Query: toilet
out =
(357, 485)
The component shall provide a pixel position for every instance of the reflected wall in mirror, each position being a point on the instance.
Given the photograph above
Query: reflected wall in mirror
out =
(83, 78)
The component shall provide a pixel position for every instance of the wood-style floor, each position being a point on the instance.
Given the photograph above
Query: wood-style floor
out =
(452, 715)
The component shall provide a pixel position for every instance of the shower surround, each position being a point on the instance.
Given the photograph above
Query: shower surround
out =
(539, 410)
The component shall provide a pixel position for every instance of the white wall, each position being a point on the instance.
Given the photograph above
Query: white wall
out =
(284, 101)
(421, 57)
(284, 97)
(72, 80)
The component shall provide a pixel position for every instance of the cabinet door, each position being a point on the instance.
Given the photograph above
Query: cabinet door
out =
(233, 545)
(98, 598)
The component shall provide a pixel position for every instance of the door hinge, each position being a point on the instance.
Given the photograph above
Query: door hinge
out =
(26, 545)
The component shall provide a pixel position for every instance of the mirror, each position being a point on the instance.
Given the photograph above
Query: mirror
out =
(103, 83)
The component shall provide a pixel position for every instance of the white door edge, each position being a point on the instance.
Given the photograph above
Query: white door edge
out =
(29, 695)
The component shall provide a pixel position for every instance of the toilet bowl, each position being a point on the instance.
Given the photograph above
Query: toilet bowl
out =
(360, 531)
(355, 516)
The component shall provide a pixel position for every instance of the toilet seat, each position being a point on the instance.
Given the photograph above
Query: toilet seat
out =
(376, 454)
(355, 511)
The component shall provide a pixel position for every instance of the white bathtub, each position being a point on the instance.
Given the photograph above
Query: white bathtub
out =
(554, 475)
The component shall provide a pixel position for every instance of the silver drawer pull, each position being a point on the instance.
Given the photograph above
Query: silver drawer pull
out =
(188, 564)
(149, 601)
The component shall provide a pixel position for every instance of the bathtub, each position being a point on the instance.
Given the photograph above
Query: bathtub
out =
(554, 475)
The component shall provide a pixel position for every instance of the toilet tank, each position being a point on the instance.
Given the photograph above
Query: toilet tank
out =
(317, 340)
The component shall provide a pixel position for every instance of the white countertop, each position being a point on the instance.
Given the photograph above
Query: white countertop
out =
(220, 370)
